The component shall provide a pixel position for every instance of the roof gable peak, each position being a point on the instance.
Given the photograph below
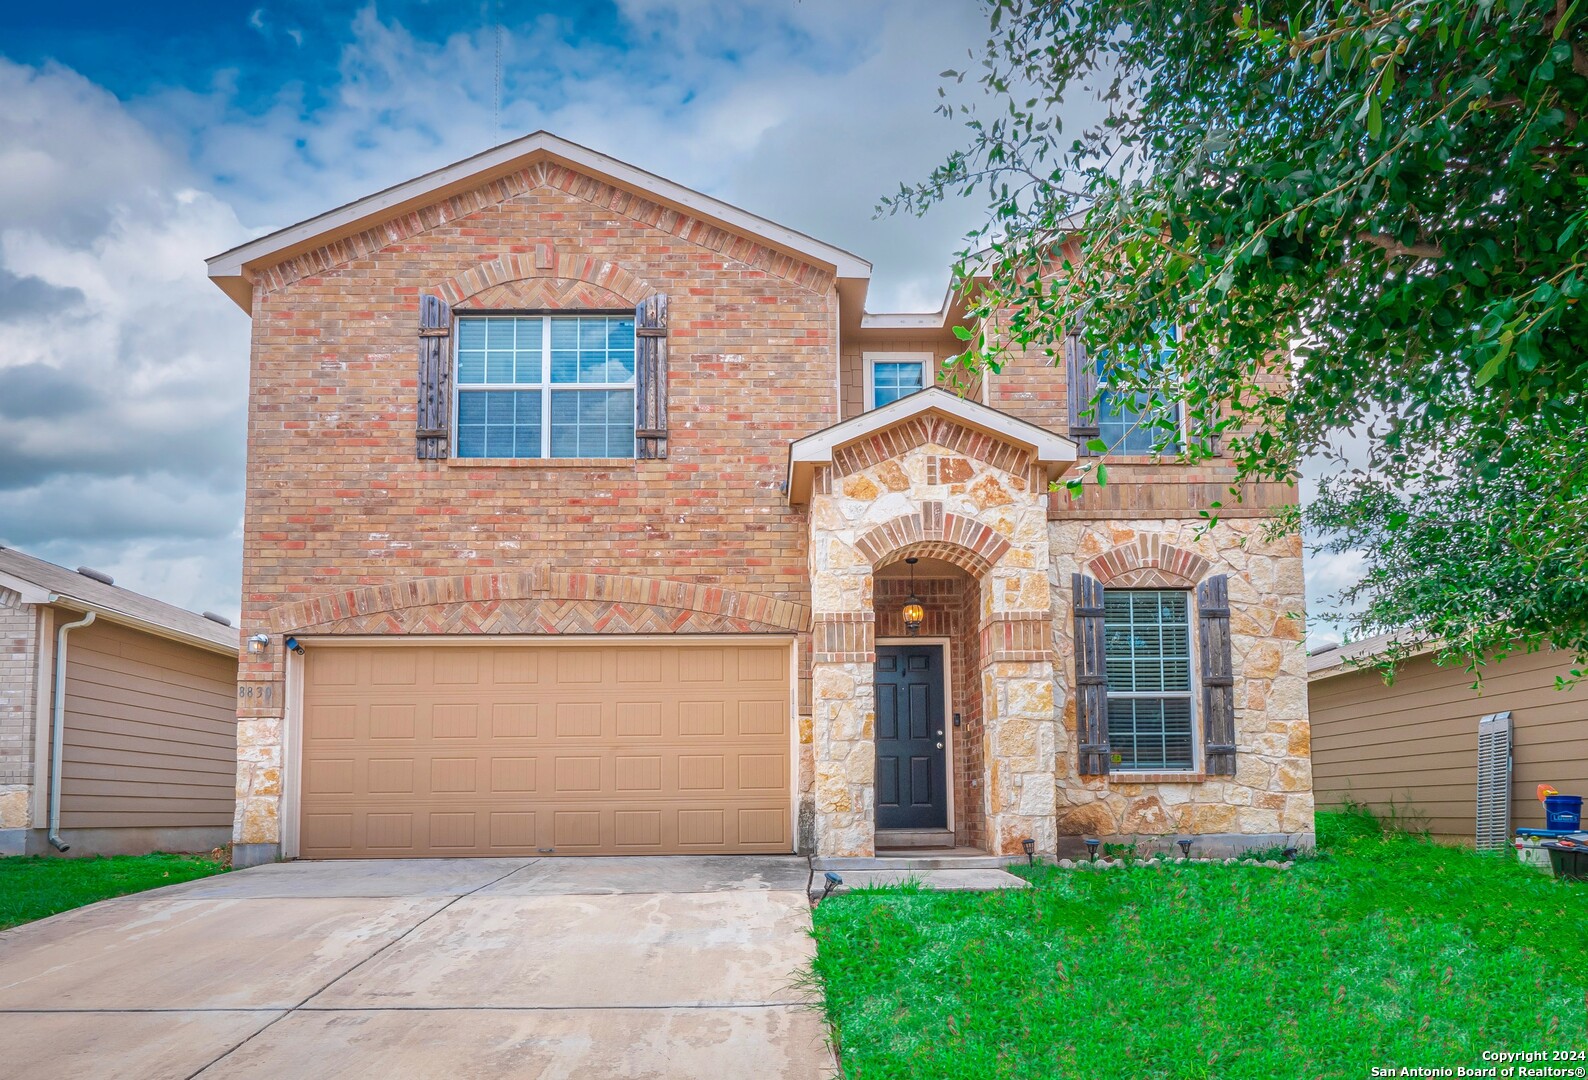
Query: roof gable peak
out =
(232, 270)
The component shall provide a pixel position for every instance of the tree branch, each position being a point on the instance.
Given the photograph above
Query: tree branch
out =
(1393, 247)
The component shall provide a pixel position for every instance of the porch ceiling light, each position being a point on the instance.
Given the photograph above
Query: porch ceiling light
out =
(914, 613)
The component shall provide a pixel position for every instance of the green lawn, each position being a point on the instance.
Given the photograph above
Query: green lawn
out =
(1385, 951)
(34, 886)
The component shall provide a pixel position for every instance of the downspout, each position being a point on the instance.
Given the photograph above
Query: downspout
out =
(58, 728)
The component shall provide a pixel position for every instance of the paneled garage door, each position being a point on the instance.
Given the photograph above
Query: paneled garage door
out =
(627, 749)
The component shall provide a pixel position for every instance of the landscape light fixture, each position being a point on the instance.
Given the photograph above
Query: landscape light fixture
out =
(1031, 850)
(1092, 844)
(258, 644)
(1185, 848)
(1288, 854)
(833, 881)
(914, 613)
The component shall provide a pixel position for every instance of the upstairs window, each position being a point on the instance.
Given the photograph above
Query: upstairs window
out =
(891, 376)
(1127, 423)
(545, 386)
(1147, 643)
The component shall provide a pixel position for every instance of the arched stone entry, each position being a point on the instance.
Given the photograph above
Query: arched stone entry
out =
(979, 504)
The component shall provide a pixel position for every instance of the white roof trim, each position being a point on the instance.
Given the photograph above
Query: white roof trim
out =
(153, 629)
(29, 592)
(1053, 451)
(33, 593)
(910, 320)
(230, 264)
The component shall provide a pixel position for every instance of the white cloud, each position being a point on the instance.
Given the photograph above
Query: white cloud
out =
(123, 412)
(125, 432)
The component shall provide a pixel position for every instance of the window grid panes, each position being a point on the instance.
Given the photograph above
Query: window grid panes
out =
(545, 386)
(1130, 423)
(1147, 651)
(894, 379)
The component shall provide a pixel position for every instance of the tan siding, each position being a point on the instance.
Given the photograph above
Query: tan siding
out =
(1416, 741)
(852, 368)
(150, 732)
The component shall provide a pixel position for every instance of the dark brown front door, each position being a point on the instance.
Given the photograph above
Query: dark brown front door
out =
(911, 767)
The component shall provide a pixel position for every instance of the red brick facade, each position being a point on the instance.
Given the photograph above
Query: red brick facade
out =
(337, 502)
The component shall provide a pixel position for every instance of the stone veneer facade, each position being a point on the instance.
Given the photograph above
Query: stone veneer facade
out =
(932, 488)
(1269, 799)
(19, 625)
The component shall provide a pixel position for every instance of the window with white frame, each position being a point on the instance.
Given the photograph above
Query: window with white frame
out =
(1137, 423)
(1147, 653)
(891, 376)
(545, 386)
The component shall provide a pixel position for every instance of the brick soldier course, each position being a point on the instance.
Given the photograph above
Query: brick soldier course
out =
(348, 532)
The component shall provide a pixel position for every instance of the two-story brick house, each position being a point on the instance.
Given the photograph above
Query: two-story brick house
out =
(589, 514)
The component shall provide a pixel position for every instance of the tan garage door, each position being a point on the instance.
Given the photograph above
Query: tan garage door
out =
(567, 749)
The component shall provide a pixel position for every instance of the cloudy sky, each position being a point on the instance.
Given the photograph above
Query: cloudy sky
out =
(138, 139)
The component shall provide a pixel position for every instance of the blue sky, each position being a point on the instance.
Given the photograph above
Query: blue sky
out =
(139, 139)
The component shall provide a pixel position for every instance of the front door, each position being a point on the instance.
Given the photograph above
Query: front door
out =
(911, 766)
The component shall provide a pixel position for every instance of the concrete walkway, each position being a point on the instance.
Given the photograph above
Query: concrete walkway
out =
(444, 968)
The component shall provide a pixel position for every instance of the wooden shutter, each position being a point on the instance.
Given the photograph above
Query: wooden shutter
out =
(435, 377)
(1494, 782)
(1218, 676)
(1091, 676)
(650, 376)
(1082, 388)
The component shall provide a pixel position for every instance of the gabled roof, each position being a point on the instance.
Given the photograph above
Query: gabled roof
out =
(41, 582)
(1055, 452)
(230, 269)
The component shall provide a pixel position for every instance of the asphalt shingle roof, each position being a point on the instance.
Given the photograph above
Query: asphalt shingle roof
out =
(77, 590)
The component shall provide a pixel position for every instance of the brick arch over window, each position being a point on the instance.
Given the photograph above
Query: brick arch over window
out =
(539, 602)
(1148, 564)
(525, 272)
(933, 533)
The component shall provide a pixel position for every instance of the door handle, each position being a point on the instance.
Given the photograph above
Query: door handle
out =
(940, 746)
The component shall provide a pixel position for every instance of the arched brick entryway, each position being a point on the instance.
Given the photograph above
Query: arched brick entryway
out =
(982, 515)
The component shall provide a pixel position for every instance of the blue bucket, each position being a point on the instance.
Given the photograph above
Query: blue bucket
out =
(1563, 811)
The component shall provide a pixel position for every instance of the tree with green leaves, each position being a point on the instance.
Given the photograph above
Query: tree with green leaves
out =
(1382, 202)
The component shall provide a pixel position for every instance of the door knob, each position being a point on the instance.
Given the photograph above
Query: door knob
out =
(940, 746)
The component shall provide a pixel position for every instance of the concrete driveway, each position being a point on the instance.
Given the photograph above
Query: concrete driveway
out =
(449, 968)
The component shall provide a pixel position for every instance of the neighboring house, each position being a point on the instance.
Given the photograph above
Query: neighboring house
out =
(145, 706)
(1414, 744)
(589, 501)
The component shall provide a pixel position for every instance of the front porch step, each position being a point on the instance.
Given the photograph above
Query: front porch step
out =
(962, 859)
(893, 839)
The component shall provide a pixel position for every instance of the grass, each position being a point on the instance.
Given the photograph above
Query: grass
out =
(35, 886)
(1386, 950)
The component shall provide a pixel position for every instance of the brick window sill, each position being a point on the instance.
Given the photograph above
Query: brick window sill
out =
(1122, 777)
(542, 463)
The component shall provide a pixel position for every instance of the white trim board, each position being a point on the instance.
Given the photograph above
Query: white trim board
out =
(1054, 452)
